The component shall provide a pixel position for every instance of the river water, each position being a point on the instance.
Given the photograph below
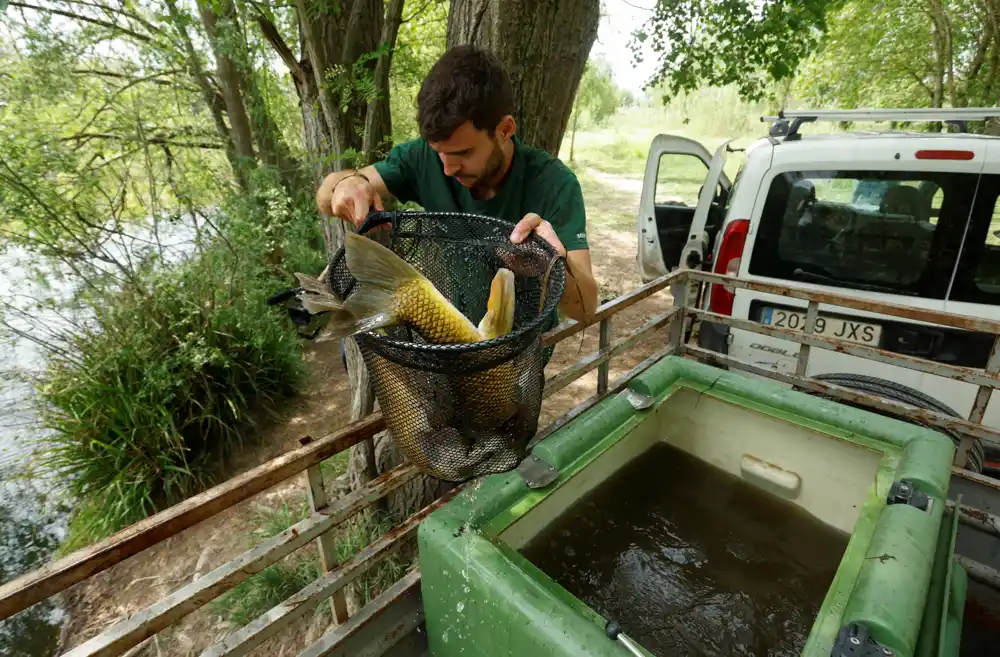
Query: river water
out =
(33, 510)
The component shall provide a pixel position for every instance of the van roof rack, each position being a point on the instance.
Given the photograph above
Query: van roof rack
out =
(957, 116)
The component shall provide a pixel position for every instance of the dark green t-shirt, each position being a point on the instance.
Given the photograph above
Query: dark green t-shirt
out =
(537, 183)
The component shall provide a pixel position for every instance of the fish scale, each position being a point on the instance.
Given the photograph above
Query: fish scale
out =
(419, 304)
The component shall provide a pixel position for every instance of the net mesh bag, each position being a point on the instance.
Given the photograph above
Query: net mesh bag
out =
(460, 411)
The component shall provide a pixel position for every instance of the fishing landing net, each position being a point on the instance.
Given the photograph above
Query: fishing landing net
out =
(460, 411)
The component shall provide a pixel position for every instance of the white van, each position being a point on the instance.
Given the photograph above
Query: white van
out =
(911, 218)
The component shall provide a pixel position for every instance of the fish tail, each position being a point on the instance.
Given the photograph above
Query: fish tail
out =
(369, 308)
(499, 317)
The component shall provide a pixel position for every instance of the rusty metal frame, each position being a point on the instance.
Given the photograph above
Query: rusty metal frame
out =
(56, 576)
(129, 632)
(986, 379)
(378, 626)
(139, 626)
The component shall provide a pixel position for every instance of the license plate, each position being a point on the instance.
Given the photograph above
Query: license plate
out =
(827, 327)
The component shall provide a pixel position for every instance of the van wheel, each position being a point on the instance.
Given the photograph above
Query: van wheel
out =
(900, 393)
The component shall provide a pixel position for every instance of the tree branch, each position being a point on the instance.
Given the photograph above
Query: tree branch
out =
(118, 11)
(919, 80)
(168, 139)
(273, 37)
(122, 76)
(86, 19)
(420, 11)
(390, 30)
(120, 90)
(986, 36)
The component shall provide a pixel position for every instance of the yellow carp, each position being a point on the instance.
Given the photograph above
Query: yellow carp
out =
(392, 291)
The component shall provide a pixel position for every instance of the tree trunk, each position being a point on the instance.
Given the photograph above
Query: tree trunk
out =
(229, 80)
(209, 94)
(950, 50)
(378, 120)
(989, 98)
(544, 44)
(270, 144)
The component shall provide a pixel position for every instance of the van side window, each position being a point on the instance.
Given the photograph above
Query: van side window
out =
(891, 231)
(977, 277)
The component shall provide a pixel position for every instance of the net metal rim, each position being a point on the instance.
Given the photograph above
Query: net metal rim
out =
(557, 277)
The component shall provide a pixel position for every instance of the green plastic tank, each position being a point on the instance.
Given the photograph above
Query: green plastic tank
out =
(897, 590)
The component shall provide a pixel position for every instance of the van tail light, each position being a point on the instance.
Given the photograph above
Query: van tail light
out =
(945, 155)
(728, 263)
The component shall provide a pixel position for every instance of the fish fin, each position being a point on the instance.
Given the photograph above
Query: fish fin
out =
(379, 271)
(317, 303)
(312, 284)
(366, 310)
(499, 317)
(316, 297)
(372, 263)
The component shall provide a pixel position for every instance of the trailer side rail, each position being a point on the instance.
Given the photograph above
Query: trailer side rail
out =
(395, 610)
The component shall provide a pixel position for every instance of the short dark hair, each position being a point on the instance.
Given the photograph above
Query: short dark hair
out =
(465, 84)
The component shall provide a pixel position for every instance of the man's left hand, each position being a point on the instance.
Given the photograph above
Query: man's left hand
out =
(534, 223)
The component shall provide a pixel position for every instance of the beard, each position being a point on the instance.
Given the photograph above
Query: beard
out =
(491, 172)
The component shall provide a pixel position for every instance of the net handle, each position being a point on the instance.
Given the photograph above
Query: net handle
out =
(545, 280)
(377, 218)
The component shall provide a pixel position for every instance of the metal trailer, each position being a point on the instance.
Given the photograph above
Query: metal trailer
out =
(392, 624)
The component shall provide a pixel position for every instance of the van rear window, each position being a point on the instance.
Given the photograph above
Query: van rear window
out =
(891, 231)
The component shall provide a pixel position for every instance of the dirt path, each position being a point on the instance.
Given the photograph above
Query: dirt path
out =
(134, 584)
(622, 184)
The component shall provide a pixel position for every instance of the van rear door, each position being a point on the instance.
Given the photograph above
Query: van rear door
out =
(684, 195)
(975, 288)
(878, 218)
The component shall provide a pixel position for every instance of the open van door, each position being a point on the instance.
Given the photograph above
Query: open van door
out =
(683, 203)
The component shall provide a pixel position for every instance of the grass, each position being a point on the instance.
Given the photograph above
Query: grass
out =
(335, 466)
(279, 581)
(260, 593)
(606, 204)
(622, 149)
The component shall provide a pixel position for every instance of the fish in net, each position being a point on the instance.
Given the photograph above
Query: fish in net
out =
(449, 318)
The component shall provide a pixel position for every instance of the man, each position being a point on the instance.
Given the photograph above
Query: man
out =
(468, 159)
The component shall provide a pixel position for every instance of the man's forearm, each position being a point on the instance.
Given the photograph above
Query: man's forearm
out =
(579, 299)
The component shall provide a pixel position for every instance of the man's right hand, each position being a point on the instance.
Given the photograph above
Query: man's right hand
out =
(348, 196)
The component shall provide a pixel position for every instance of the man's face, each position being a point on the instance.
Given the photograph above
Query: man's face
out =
(472, 156)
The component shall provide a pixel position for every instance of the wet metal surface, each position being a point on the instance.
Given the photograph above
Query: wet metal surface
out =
(693, 561)
(536, 473)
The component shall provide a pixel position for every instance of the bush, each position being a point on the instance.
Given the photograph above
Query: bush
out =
(149, 399)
